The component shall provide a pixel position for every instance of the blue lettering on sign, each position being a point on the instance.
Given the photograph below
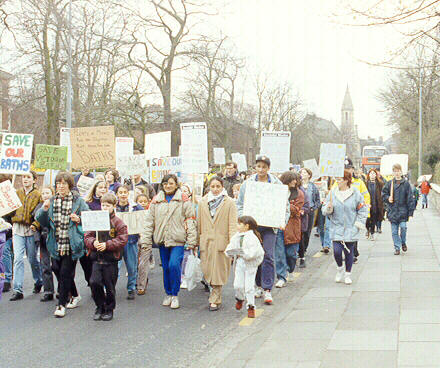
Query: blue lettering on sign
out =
(15, 164)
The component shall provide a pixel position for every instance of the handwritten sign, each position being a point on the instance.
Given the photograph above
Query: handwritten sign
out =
(162, 166)
(276, 146)
(65, 141)
(93, 147)
(158, 145)
(312, 165)
(133, 165)
(194, 148)
(134, 220)
(331, 159)
(240, 160)
(95, 220)
(84, 185)
(256, 199)
(123, 147)
(16, 153)
(9, 200)
(50, 157)
(219, 156)
(387, 162)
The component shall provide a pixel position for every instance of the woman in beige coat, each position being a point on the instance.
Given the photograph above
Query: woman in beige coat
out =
(217, 223)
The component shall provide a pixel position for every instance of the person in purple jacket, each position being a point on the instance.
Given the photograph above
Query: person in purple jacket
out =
(93, 199)
(5, 226)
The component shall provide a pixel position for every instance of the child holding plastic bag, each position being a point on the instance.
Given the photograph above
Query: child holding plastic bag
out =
(246, 247)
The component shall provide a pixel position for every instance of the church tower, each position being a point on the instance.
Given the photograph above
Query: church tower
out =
(349, 129)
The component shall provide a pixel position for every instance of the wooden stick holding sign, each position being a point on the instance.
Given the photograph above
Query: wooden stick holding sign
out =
(391, 199)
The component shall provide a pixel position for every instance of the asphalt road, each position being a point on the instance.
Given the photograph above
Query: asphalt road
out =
(143, 333)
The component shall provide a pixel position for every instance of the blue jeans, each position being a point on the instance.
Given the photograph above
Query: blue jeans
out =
(425, 200)
(285, 256)
(398, 240)
(324, 230)
(26, 244)
(171, 258)
(8, 256)
(266, 271)
(131, 261)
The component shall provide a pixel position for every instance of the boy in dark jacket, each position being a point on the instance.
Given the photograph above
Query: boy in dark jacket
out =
(105, 252)
(399, 199)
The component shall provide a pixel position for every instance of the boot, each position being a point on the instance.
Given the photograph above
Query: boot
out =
(348, 278)
(339, 274)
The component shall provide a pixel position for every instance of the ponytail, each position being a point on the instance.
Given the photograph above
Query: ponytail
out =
(250, 221)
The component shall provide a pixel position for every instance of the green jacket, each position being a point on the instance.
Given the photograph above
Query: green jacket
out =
(76, 235)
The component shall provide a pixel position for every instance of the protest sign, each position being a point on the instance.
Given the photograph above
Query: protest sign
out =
(133, 165)
(158, 145)
(95, 220)
(16, 153)
(93, 147)
(240, 160)
(50, 157)
(65, 141)
(196, 182)
(123, 147)
(84, 185)
(322, 188)
(9, 200)
(387, 162)
(135, 221)
(219, 156)
(312, 165)
(276, 146)
(332, 159)
(194, 150)
(266, 203)
(159, 167)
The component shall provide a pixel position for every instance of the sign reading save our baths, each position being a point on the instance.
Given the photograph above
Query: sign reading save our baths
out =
(16, 153)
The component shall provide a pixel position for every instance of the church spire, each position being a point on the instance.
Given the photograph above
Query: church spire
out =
(347, 104)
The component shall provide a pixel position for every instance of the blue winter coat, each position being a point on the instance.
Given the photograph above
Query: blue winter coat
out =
(403, 205)
(76, 235)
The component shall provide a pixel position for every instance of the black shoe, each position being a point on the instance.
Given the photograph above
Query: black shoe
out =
(6, 287)
(107, 316)
(355, 260)
(326, 250)
(397, 252)
(205, 284)
(46, 298)
(37, 289)
(98, 314)
(404, 247)
(317, 235)
(302, 263)
(16, 296)
(379, 231)
(131, 295)
(57, 295)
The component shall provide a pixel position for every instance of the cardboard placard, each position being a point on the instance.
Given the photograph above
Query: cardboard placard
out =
(16, 153)
(133, 165)
(240, 160)
(194, 148)
(219, 156)
(123, 147)
(93, 147)
(387, 162)
(95, 220)
(65, 142)
(158, 145)
(50, 157)
(266, 203)
(135, 220)
(276, 146)
(9, 200)
(159, 167)
(313, 166)
(84, 185)
(332, 159)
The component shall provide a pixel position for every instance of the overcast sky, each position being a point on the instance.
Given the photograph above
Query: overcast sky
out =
(299, 41)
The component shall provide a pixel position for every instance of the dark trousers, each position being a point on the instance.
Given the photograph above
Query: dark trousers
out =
(46, 269)
(348, 250)
(371, 223)
(64, 270)
(266, 271)
(305, 238)
(104, 276)
(86, 265)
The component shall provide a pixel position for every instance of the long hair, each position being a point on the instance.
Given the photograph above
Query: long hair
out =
(348, 177)
(378, 178)
(92, 193)
(250, 221)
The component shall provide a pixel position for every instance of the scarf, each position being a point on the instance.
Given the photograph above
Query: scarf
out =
(62, 209)
(214, 202)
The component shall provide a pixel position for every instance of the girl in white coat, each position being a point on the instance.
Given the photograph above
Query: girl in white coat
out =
(246, 247)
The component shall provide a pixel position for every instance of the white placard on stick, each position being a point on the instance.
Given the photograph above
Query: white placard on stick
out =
(240, 160)
(9, 200)
(427, 177)
(65, 141)
(312, 165)
(194, 148)
(158, 145)
(276, 146)
(16, 153)
(135, 221)
(159, 167)
(219, 156)
(133, 165)
(95, 220)
(84, 185)
(256, 200)
(332, 159)
(387, 162)
(123, 147)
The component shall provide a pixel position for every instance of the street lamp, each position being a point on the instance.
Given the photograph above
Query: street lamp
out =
(420, 124)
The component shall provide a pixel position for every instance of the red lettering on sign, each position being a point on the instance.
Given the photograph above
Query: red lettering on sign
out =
(12, 152)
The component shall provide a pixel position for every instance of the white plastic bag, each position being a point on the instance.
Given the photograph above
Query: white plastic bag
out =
(193, 272)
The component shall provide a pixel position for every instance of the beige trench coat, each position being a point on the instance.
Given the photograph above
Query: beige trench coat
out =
(214, 235)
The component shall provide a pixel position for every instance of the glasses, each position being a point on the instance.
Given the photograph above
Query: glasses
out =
(61, 183)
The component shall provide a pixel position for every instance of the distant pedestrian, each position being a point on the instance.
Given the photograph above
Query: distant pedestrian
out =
(374, 185)
(425, 187)
(231, 178)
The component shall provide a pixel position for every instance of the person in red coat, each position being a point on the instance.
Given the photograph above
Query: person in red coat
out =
(425, 187)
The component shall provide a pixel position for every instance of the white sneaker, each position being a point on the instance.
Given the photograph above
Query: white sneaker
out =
(184, 285)
(174, 302)
(167, 301)
(60, 311)
(258, 292)
(339, 274)
(74, 301)
(373, 237)
(267, 297)
(280, 283)
(348, 278)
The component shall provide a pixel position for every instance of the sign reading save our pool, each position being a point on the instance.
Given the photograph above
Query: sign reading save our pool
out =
(16, 153)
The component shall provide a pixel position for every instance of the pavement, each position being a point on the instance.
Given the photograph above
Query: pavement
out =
(389, 317)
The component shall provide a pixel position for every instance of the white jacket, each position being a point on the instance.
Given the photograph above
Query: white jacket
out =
(253, 252)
